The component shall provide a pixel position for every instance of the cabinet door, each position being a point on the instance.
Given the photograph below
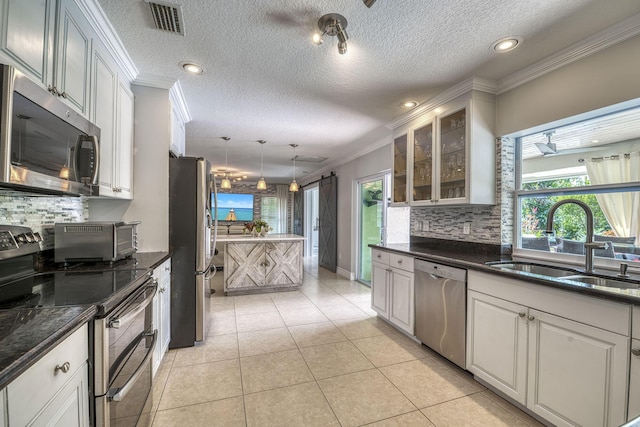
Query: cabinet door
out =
(402, 305)
(422, 163)
(453, 159)
(380, 289)
(3, 409)
(244, 265)
(400, 157)
(634, 381)
(577, 373)
(73, 55)
(70, 407)
(177, 132)
(497, 343)
(283, 263)
(28, 35)
(165, 321)
(124, 143)
(103, 95)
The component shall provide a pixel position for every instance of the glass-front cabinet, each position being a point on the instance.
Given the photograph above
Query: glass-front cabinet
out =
(451, 154)
(400, 157)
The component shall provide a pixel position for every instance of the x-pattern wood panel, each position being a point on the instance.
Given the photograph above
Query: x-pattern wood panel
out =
(284, 263)
(244, 265)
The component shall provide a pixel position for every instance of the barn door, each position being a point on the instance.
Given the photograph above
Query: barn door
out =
(298, 212)
(328, 209)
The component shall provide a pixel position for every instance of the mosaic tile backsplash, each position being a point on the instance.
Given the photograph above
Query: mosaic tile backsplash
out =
(488, 224)
(41, 212)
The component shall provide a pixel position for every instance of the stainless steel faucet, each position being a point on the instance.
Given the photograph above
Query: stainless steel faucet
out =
(589, 245)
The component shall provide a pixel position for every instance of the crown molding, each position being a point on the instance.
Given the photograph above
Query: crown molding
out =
(472, 83)
(150, 80)
(615, 34)
(179, 102)
(108, 36)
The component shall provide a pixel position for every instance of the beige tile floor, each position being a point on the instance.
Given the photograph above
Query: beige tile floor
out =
(317, 356)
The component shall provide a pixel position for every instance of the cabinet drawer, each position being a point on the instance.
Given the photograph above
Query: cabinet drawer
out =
(31, 391)
(380, 256)
(401, 261)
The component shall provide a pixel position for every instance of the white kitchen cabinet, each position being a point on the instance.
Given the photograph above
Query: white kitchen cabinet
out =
(51, 42)
(392, 289)
(46, 395)
(441, 157)
(574, 347)
(124, 143)
(177, 131)
(3, 408)
(497, 343)
(634, 381)
(162, 312)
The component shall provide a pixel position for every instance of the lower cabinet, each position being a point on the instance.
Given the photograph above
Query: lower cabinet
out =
(162, 312)
(634, 381)
(3, 409)
(392, 290)
(55, 390)
(566, 371)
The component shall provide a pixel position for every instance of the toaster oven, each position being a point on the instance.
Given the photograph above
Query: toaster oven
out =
(94, 241)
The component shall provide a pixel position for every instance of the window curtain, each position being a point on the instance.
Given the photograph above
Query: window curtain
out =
(282, 193)
(622, 210)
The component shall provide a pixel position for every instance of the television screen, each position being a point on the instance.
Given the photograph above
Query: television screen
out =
(235, 207)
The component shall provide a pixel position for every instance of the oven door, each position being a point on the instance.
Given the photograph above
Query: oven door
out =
(125, 342)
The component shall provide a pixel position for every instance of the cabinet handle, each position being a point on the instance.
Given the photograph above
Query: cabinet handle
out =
(379, 256)
(521, 315)
(399, 261)
(531, 318)
(52, 90)
(64, 368)
(63, 94)
(635, 351)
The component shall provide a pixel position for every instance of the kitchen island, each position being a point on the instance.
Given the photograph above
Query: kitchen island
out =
(262, 264)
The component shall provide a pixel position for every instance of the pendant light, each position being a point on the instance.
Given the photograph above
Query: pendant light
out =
(262, 184)
(294, 185)
(225, 183)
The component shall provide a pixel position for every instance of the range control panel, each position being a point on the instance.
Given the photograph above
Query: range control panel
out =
(16, 240)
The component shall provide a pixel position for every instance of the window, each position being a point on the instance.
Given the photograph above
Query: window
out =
(595, 161)
(270, 212)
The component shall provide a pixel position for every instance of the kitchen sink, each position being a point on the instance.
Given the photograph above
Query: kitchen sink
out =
(542, 270)
(602, 281)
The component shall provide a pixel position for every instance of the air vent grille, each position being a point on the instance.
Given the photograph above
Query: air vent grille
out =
(83, 229)
(310, 159)
(167, 17)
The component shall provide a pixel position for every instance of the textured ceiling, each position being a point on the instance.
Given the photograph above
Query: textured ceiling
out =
(264, 78)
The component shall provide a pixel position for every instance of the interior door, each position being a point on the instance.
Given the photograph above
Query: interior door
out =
(328, 208)
(372, 196)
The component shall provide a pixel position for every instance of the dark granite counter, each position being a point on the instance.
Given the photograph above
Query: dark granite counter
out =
(28, 334)
(474, 256)
(145, 260)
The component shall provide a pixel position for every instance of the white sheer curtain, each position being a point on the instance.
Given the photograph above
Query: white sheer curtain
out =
(622, 210)
(282, 192)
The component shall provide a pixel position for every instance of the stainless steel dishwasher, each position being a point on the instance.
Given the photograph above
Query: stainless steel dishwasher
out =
(441, 309)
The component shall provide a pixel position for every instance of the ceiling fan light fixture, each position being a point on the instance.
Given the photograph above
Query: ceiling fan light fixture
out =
(342, 48)
(317, 39)
(506, 44)
(333, 24)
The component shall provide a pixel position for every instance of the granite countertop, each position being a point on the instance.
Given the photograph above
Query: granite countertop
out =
(148, 259)
(475, 257)
(28, 334)
(236, 238)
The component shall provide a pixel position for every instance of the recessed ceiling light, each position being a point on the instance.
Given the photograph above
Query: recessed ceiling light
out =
(409, 104)
(192, 68)
(506, 44)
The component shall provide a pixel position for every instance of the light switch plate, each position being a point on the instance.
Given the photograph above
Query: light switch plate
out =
(466, 228)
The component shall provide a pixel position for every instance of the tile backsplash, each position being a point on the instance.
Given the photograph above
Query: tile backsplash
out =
(488, 224)
(41, 212)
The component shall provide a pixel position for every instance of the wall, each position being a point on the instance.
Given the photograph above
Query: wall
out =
(605, 78)
(41, 212)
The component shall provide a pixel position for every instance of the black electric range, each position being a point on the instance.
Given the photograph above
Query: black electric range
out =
(22, 286)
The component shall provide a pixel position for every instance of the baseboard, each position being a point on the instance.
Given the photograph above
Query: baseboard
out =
(345, 273)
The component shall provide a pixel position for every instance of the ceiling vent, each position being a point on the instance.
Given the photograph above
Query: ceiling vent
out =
(310, 159)
(167, 17)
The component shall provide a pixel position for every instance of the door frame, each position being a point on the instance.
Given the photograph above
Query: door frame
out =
(385, 176)
(309, 222)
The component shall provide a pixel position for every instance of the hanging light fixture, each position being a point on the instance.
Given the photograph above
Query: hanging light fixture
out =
(225, 183)
(262, 184)
(294, 185)
(333, 24)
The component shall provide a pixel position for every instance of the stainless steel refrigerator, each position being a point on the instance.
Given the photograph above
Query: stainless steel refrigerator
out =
(191, 204)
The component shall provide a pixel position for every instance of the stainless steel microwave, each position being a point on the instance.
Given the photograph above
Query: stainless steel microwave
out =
(45, 146)
(102, 241)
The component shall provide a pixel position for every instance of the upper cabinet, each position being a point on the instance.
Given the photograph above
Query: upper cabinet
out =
(442, 156)
(51, 42)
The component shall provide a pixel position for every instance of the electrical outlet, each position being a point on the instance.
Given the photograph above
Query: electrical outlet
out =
(466, 228)
(425, 225)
